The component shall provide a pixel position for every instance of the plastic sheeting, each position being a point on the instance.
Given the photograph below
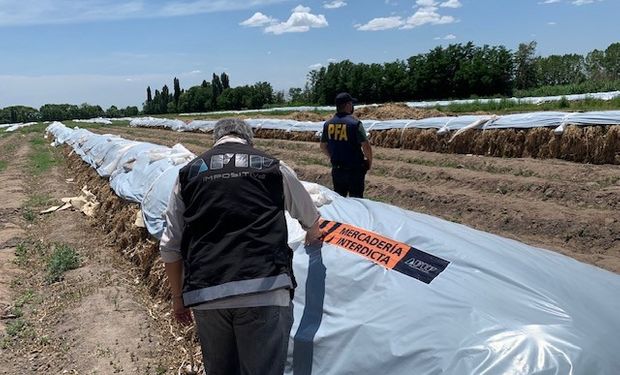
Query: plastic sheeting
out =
(13, 127)
(500, 307)
(429, 104)
(98, 120)
(557, 120)
(526, 100)
(135, 169)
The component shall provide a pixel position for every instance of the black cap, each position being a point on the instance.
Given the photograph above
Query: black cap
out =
(344, 98)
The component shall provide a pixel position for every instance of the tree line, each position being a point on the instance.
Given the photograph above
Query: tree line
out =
(453, 72)
(61, 112)
(211, 96)
(462, 71)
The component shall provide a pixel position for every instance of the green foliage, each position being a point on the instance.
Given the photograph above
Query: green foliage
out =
(464, 71)
(62, 259)
(211, 96)
(42, 157)
(558, 70)
(525, 65)
(27, 297)
(39, 200)
(297, 96)
(28, 214)
(225, 81)
(16, 328)
(177, 93)
(570, 89)
(21, 254)
(3, 165)
(60, 112)
(24, 253)
(17, 312)
(196, 99)
(15, 114)
(456, 71)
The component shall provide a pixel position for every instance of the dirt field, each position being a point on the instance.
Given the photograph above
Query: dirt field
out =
(567, 207)
(99, 319)
(103, 317)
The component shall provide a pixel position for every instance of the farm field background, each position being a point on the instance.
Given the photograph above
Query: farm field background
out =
(567, 207)
(563, 206)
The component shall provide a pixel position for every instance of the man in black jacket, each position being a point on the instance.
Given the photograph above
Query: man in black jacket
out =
(345, 142)
(226, 251)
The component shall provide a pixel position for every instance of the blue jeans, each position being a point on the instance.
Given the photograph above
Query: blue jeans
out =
(244, 341)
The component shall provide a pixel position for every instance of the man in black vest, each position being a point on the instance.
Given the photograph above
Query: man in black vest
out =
(226, 252)
(345, 142)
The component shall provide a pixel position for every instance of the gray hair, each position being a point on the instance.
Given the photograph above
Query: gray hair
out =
(233, 126)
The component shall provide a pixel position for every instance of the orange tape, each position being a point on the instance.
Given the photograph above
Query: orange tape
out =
(375, 247)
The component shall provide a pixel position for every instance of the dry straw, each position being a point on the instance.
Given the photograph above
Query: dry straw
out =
(583, 144)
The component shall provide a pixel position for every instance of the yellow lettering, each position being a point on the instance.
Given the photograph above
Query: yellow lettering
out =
(337, 132)
(343, 133)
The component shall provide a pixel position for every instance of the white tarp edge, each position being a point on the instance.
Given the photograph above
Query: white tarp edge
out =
(13, 127)
(429, 104)
(98, 120)
(443, 124)
(500, 306)
(525, 100)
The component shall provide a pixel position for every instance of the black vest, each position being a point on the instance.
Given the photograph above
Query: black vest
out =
(235, 236)
(343, 141)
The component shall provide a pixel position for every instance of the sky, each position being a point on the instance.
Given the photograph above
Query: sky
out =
(107, 52)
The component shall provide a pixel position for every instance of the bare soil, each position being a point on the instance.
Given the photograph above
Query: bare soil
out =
(100, 319)
(567, 207)
(11, 199)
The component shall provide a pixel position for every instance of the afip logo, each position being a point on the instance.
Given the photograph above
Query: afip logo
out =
(421, 266)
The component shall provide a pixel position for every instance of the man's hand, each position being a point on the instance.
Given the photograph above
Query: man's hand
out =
(182, 314)
(314, 236)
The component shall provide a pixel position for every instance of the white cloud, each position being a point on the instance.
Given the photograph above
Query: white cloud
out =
(315, 66)
(335, 4)
(447, 37)
(381, 23)
(34, 12)
(424, 16)
(451, 4)
(301, 9)
(550, 2)
(426, 3)
(258, 20)
(300, 21)
(552, 23)
(583, 2)
(332, 60)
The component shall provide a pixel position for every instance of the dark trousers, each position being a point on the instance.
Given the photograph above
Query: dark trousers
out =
(244, 341)
(349, 181)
